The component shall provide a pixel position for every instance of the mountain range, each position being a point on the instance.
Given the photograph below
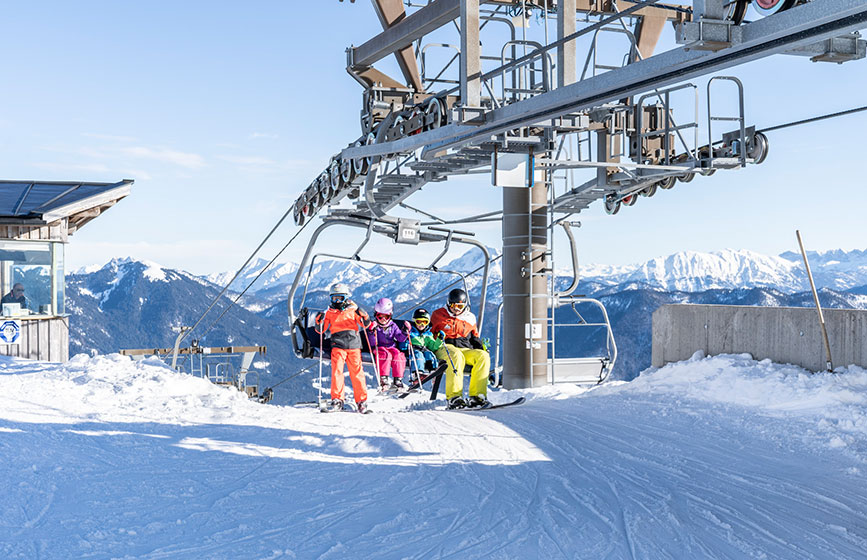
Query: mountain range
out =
(135, 304)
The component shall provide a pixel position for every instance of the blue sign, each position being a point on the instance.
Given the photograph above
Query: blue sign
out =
(10, 332)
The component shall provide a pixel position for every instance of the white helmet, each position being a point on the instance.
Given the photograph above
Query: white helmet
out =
(340, 289)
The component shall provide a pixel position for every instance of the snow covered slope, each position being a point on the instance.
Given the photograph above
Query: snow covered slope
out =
(712, 458)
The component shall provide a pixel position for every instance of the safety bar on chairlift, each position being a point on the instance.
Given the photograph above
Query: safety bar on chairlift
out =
(425, 236)
(610, 342)
(462, 277)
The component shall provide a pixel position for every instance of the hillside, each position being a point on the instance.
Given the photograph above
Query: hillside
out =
(135, 304)
(713, 458)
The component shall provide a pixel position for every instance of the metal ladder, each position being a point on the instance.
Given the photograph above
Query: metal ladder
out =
(538, 344)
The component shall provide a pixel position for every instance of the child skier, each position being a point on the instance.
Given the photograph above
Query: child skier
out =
(457, 325)
(423, 342)
(388, 337)
(343, 319)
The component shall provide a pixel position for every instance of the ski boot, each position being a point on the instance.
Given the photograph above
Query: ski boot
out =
(383, 384)
(397, 384)
(362, 407)
(478, 401)
(336, 405)
(457, 402)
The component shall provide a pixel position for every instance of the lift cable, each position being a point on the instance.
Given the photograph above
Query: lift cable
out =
(243, 266)
(814, 119)
(253, 281)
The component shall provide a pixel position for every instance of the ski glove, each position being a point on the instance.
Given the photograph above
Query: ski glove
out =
(476, 342)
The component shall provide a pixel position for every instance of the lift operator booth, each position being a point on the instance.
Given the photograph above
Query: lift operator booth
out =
(36, 220)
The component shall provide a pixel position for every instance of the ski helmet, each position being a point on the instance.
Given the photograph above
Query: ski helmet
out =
(382, 311)
(421, 318)
(458, 301)
(340, 288)
(383, 306)
(339, 295)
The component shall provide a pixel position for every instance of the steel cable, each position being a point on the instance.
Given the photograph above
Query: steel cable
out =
(814, 119)
(261, 272)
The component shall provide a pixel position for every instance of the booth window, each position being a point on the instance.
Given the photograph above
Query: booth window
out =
(32, 278)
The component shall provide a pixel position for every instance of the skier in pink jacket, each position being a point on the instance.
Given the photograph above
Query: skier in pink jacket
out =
(389, 341)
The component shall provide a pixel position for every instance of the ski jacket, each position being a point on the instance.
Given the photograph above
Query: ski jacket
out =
(457, 330)
(424, 339)
(344, 325)
(388, 336)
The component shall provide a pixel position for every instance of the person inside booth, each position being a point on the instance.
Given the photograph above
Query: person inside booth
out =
(16, 295)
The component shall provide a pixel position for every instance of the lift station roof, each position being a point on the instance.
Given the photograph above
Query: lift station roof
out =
(49, 201)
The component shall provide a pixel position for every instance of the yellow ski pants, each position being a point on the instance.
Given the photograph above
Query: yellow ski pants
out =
(479, 361)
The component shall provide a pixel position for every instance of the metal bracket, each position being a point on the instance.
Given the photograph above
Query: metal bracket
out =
(708, 34)
(836, 49)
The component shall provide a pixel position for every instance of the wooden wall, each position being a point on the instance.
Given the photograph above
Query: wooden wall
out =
(44, 339)
(56, 231)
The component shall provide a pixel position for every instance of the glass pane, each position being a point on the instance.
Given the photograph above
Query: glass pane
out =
(59, 280)
(26, 278)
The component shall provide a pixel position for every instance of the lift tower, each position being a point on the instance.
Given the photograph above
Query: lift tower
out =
(586, 91)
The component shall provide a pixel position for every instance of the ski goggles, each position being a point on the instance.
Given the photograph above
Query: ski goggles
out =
(421, 323)
(338, 298)
(457, 308)
(382, 317)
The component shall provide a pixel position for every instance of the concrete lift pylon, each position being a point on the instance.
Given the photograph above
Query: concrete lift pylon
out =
(414, 134)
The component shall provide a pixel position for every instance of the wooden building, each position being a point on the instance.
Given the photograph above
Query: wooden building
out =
(36, 222)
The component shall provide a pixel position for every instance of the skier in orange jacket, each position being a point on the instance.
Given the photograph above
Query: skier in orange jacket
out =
(344, 319)
(457, 325)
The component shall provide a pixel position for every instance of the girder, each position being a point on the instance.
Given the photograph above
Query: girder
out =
(514, 121)
(798, 27)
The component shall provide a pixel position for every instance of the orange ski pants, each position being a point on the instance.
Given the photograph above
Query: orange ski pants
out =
(352, 358)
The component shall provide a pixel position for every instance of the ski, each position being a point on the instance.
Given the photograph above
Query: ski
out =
(519, 400)
(347, 407)
(415, 385)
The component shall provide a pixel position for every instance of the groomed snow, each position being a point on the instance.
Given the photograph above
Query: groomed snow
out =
(719, 457)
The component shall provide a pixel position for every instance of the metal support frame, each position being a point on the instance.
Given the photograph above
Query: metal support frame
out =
(388, 230)
(471, 64)
(460, 128)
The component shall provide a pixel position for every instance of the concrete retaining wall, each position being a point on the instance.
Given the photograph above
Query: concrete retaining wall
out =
(789, 335)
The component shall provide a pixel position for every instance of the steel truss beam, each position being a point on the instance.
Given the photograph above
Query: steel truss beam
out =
(794, 28)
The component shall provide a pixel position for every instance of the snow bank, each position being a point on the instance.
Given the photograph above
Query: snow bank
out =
(836, 403)
(110, 389)
(114, 389)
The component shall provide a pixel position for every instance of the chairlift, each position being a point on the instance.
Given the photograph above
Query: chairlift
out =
(573, 368)
(306, 340)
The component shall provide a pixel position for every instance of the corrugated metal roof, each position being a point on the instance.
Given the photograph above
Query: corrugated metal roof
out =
(34, 199)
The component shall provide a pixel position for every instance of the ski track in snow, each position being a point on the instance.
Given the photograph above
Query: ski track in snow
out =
(100, 461)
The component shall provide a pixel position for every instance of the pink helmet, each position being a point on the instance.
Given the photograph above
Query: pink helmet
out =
(384, 306)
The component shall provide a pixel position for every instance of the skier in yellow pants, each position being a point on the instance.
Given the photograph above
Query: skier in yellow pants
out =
(479, 361)
(457, 325)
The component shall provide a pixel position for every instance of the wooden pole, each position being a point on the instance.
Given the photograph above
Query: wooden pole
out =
(828, 364)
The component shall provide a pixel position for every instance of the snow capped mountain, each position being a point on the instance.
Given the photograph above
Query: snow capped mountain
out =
(133, 304)
(687, 271)
(690, 271)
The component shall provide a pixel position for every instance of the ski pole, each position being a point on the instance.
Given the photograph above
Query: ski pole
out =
(321, 335)
(375, 359)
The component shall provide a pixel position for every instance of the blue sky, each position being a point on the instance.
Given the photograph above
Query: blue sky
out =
(224, 111)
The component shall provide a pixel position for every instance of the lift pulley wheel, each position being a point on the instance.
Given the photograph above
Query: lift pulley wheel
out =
(769, 7)
(736, 10)
(612, 204)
